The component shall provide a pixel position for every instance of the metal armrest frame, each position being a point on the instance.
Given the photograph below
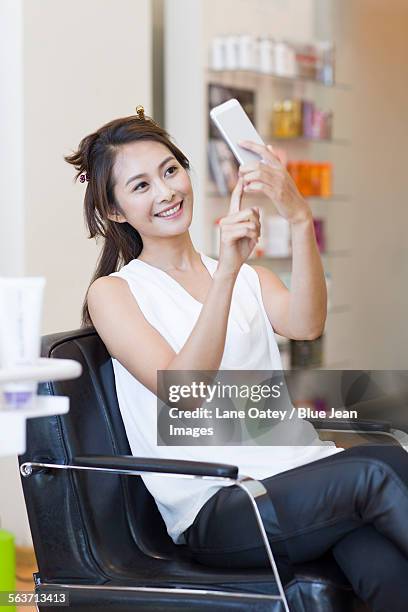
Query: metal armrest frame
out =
(353, 425)
(383, 428)
(254, 489)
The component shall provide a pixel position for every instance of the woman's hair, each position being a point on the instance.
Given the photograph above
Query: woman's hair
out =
(95, 159)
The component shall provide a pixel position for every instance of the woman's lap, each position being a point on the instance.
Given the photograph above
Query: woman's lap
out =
(313, 507)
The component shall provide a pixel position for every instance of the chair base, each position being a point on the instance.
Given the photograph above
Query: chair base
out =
(303, 596)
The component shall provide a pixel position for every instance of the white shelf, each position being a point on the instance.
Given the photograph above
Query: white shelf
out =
(230, 77)
(13, 422)
(42, 370)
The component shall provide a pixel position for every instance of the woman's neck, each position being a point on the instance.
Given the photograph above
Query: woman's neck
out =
(172, 255)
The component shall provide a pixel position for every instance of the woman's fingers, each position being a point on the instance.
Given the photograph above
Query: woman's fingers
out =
(247, 214)
(265, 174)
(230, 233)
(261, 187)
(245, 168)
(236, 196)
(265, 152)
(239, 233)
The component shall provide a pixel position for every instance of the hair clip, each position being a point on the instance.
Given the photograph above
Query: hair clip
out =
(140, 112)
(84, 177)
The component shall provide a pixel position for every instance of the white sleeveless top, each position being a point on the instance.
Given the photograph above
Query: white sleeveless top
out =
(250, 345)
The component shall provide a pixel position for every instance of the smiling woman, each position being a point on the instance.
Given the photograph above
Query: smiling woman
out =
(161, 306)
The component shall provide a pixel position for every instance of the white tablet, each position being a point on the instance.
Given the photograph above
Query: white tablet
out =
(235, 125)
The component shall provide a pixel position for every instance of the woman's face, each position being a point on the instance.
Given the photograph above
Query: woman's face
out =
(149, 181)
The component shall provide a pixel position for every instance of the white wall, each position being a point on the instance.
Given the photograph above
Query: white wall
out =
(82, 64)
(93, 63)
(11, 141)
(374, 42)
(292, 19)
(381, 135)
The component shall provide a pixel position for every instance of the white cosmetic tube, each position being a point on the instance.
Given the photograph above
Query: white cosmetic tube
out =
(20, 320)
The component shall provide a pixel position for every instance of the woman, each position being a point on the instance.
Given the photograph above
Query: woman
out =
(158, 304)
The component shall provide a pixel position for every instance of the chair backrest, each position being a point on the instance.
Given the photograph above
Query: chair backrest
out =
(82, 522)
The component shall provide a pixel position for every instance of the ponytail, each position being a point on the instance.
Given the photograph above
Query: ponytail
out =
(122, 244)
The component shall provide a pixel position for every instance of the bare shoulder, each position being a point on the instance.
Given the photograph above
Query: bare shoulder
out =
(111, 288)
(110, 296)
(106, 284)
(126, 333)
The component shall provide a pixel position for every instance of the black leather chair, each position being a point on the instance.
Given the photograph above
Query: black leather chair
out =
(98, 535)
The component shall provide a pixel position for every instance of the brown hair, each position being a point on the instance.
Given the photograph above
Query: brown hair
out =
(95, 157)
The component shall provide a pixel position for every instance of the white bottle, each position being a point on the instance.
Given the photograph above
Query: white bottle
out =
(280, 58)
(246, 52)
(231, 53)
(277, 236)
(266, 55)
(217, 53)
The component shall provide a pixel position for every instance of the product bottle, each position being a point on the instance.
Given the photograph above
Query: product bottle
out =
(318, 127)
(287, 118)
(280, 58)
(217, 53)
(277, 236)
(308, 110)
(315, 187)
(325, 67)
(320, 234)
(231, 52)
(246, 52)
(297, 118)
(326, 180)
(7, 565)
(277, 120)
(266, 55)
(304, 176)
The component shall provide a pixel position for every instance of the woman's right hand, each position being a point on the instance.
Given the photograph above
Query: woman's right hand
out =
(239, 233)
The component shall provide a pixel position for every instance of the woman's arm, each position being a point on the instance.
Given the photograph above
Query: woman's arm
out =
(308, 294)
(301, 312)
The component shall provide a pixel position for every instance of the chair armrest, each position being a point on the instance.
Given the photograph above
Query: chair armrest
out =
(355, 426)
(127, 464)
(164, 466)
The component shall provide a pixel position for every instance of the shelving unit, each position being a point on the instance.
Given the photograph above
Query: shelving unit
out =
(269, 88)
(187, 119)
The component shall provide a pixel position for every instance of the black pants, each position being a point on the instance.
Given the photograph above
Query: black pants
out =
(354, 503)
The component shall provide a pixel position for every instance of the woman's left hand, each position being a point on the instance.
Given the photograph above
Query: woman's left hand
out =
(270, 177)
